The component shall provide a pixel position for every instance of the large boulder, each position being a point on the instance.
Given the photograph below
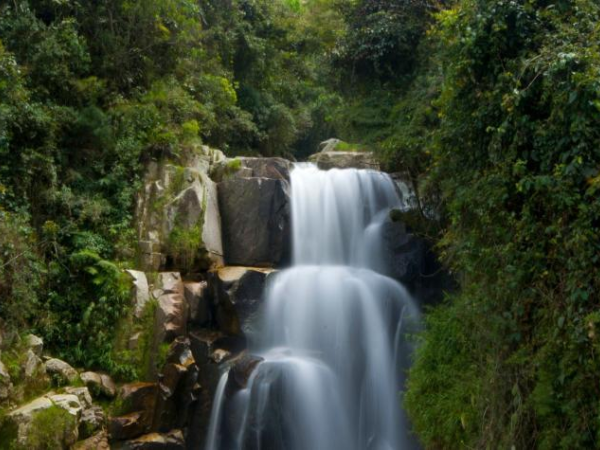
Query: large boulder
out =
(177, 214)
(332, 157)
(171, 314)
(126, 427)
(99, 384)
(255, 216)
(238, 295)
(61, 370)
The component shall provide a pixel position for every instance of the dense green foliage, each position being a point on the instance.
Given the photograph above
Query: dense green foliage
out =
(492, 107)
(90, 91)
(511, 360)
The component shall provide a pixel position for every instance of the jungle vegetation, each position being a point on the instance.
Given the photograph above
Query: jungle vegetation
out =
(492, 107)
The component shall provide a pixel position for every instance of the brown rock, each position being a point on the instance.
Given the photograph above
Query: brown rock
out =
(173, 440)
(171, 315)
(127, 427)
(138, 397)
(98, 441)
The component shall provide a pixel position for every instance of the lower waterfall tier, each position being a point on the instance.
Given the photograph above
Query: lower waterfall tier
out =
(333, 355)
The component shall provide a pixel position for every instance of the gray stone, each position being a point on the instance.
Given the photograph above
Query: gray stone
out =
(255, 215)
(248, 167)
(62, 370)
(140, 291)
(33, 365)
(99, 383)
(331, 158)
(195, 210)
(82, 393)
(69, 403)
(35, 343)
(175, 199)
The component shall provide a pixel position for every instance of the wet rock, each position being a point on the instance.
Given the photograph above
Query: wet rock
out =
(61, 370)
(172, 440)
(99, 383)
(241, 370)
(140, 291)
(34, 367)
(98, 441)
(196, 297)
(180, 352)
(35, 343)
(238, 296)
(176, 388)
(171, 314)
(256, 221)
(127, 427)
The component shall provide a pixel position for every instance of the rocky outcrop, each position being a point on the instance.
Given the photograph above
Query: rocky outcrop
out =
(237, 294)
(256, 221)
(178, 215)
(331, 157)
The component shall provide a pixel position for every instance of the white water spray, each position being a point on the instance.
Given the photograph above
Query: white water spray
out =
(333, 329)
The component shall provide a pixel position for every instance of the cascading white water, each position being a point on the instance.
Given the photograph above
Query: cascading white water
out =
(332, 336)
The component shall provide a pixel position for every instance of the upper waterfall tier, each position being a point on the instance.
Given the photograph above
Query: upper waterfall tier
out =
(337, 216)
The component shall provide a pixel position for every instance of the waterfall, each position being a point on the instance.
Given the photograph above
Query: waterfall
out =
(333, 332)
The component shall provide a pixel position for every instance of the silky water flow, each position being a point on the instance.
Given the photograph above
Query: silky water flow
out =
(332, 332)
